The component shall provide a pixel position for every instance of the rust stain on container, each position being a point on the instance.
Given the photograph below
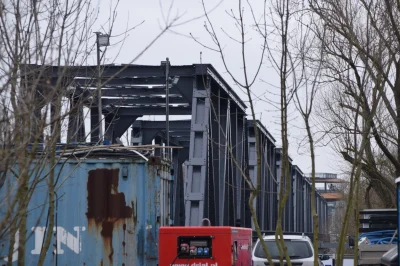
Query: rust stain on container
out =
(154, 160)
(123, 242)
(106, 206)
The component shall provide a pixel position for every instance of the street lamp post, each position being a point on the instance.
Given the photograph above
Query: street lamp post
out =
(101, 40)
(167, 66)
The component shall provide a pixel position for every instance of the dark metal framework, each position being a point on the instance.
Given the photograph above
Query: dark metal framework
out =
(218, 143)
(266, 203)
(297, 215)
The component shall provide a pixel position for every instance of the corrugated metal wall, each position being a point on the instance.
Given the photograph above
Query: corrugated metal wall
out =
(107, 213)
(109, 210)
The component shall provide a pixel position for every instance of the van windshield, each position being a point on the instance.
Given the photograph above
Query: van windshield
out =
(296, 249)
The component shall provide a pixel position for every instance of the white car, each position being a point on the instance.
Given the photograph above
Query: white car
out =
(299, 248)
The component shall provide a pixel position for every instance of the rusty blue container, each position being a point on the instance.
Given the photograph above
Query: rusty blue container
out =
(108, 212)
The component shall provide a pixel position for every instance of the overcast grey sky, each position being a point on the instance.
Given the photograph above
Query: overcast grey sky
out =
(183, 50)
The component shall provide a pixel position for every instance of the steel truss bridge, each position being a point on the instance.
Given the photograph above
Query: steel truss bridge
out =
(218, 140)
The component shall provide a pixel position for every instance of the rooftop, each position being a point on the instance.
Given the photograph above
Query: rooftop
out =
(332, 196)
(323, 175)
(329, 180)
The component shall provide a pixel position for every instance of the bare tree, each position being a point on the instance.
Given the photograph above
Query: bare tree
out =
(34, 105)
(307, 80)
(282, 9)
(372, 32)
(287, 65)
(358, 101)
(245, 81)
(289, 58)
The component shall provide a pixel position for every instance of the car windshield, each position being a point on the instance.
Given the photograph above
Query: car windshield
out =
(296, 249)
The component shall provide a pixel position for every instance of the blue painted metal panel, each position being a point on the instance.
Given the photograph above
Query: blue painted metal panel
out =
(108, 213)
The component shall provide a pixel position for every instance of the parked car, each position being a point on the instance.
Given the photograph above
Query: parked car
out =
(299, 248)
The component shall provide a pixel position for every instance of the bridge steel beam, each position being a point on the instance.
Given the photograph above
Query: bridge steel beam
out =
(264, 202)
(297, 216)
